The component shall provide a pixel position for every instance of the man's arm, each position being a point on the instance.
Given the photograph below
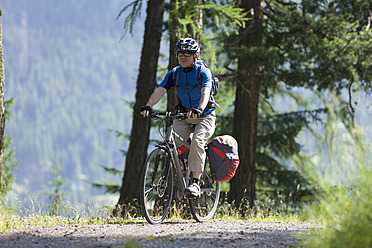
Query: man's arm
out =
(156, 96)
(154, 99)
(204, 99)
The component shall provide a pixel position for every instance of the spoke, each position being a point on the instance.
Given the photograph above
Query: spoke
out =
(147, 191)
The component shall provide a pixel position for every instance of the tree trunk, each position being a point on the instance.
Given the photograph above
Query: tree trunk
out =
(242, 186)
(174, 36)
(2, 106)
(146, 83)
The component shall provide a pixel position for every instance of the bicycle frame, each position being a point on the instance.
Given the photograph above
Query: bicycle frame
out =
(170, 143)
(202, 207)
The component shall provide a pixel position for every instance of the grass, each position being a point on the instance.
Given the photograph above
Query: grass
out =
(344, 199)
(345, 215)
(10, 219)
(261, 212)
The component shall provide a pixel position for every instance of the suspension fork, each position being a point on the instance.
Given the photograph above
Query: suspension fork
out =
(167, 166)
(155, 170)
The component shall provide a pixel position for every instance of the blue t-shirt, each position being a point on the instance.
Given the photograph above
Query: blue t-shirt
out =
(189, 97)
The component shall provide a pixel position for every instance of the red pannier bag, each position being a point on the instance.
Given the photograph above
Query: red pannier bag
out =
(223, 157)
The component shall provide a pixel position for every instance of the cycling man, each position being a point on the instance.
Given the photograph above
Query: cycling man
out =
(194, 95)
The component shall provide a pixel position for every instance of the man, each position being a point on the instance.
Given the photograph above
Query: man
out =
(194, 94)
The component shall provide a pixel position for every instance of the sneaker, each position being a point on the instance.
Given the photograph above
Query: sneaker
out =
(193, 190)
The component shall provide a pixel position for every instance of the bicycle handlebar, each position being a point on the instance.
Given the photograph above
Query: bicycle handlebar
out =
(156, 114)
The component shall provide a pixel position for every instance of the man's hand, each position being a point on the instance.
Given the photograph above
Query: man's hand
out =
(195, 112)
(145, 110)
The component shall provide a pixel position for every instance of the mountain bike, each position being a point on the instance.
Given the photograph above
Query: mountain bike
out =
(166, 175)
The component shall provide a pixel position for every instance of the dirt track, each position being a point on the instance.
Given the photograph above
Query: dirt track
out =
(180, 234)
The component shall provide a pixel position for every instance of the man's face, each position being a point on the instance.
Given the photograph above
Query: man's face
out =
(185, 59)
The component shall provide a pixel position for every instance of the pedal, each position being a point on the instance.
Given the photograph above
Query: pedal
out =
(190, 195)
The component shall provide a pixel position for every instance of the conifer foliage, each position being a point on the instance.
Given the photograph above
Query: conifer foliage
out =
(321, 46)
(263, 49)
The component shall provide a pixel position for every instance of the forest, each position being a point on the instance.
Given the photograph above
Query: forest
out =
(72, 80)
(267, 53)
(296, 84)
(289, 72)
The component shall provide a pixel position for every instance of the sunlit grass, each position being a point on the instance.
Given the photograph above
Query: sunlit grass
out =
(95, 215)
(261, 212)
(344, 192)
(11, 219)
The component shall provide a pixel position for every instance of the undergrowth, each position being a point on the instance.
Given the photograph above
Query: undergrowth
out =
(342, 210)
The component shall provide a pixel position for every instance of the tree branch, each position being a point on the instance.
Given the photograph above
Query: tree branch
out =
(350, 100)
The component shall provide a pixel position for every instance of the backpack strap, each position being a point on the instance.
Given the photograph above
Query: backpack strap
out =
(176, 72)
(198, 77)
(174, 76)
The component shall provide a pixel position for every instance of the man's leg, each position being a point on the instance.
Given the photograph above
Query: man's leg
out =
(183, 129)
(204, 129)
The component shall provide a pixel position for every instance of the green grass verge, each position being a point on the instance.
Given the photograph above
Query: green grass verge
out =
(344, 195)
(9, 220)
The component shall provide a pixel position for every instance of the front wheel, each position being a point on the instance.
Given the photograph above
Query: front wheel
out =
(156, 186)
(204, 207)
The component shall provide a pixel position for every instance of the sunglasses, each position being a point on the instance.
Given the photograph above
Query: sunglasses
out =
(186, 54)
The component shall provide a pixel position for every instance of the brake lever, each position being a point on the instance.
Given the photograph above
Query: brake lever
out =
(155, 115)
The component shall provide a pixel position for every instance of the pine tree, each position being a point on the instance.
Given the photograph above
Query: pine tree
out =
(321, 46)
(57, 195)
(146, 82)
(9, 163)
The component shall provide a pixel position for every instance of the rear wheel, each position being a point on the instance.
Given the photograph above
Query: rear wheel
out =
(156, 186)
(204, 207)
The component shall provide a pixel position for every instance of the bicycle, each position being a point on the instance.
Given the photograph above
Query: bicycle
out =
(165, 174)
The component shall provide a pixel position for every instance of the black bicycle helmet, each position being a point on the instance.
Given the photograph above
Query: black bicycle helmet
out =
(187, 44)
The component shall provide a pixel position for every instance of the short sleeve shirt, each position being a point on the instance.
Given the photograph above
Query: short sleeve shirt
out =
(189, 97)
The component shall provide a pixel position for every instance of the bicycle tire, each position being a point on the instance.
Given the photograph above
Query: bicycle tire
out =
(155, 195)
(204, 206)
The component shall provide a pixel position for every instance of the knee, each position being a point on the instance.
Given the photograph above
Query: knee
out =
(197, 144)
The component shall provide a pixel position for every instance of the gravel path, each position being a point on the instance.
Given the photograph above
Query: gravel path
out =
(180, 234)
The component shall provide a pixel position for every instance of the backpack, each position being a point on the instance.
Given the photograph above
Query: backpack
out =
(215, 81)
(223, 157)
